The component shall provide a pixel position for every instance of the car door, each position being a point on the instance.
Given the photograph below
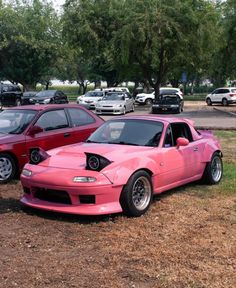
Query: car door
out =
(178, 164)
(56, 130)
(83, 123)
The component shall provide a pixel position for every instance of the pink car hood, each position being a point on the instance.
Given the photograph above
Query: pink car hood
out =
(74, 157)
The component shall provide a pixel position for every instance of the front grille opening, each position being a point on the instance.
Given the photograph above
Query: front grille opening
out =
(87, 199)
(26, 190)
(50, 195)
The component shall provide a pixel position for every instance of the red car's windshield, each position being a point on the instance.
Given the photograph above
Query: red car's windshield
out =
(15, 121)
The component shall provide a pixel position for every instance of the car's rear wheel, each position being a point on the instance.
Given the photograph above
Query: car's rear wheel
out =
(148, 101)
(7, 168)
(213, 170)
(136, 195)
(208, 101)
(224, 102)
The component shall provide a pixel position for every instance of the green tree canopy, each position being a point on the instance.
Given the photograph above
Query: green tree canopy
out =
(30, 41)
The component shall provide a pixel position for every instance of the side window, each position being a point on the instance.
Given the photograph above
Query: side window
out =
(80, 117)
(168, 138)
(181, 130)
(52, 120)
(225, 91)
(217, 91)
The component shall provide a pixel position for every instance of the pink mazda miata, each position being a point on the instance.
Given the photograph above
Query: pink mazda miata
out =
(121, 165)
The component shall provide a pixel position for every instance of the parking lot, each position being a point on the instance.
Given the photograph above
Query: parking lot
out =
(207, 117)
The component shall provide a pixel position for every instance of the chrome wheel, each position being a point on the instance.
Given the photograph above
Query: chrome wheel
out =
(6, 168)
(216, 168)
(136, 195)
(141, 193)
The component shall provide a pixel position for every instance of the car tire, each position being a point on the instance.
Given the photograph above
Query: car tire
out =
(124, 111)
(225, 102)
(148, 101)
(136, 195)
(208, 102)
(7, 168)
(132, 110)
(18, 102)
(214, 170)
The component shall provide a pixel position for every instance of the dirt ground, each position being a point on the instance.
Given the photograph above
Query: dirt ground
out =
(187, 239)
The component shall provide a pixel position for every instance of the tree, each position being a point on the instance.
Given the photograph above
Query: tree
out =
(89, 28)
(163, 35)
(29, 44)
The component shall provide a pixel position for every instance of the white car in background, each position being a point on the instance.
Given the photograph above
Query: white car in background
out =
(115, 103)
(148, 98)
(224, 96)
(90, 99)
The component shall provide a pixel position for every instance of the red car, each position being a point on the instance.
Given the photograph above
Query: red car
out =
(121, 166)
(47, 126)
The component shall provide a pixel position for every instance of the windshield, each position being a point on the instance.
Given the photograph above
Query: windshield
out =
(94, 94)
(114, 96)
(15, 121)
(128, 132)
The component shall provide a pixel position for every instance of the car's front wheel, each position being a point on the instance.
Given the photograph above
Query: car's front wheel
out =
(208, 101)
(213, 170)
(148, 101)
(7, 168)
(136, 195)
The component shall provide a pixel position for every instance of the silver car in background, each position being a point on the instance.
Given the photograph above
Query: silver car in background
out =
(115, 103)
(90, 99)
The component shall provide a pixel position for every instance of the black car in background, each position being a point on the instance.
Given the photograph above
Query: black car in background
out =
(49, 97)
(171, 103)
(25, 99)
(10, 95)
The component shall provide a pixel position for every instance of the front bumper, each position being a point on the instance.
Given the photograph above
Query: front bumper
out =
(110, 110)
(106, 198)
(164, 109)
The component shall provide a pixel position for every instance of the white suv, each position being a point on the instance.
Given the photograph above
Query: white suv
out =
(224, 96)
(147, 98)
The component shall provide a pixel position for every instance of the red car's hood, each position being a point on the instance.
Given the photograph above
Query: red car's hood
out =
(74, 157)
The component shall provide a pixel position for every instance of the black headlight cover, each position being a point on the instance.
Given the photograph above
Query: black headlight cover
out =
(37, 155)
(96, 162)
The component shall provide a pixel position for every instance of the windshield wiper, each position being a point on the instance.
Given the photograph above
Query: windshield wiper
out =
(91, 141)
(124, 143)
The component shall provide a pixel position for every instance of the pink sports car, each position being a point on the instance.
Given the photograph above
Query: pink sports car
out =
(121, 166)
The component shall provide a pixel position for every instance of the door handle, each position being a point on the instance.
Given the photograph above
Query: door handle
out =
(195, 149)
(66, 134)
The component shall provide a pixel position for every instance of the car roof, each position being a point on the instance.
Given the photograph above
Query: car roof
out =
(45, 107)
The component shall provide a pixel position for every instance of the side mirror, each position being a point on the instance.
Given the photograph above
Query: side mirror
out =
(181, 141)
(35, 130)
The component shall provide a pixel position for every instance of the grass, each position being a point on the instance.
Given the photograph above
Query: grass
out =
(227, 186)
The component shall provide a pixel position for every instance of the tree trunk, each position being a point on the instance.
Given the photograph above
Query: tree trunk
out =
(28, 86)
